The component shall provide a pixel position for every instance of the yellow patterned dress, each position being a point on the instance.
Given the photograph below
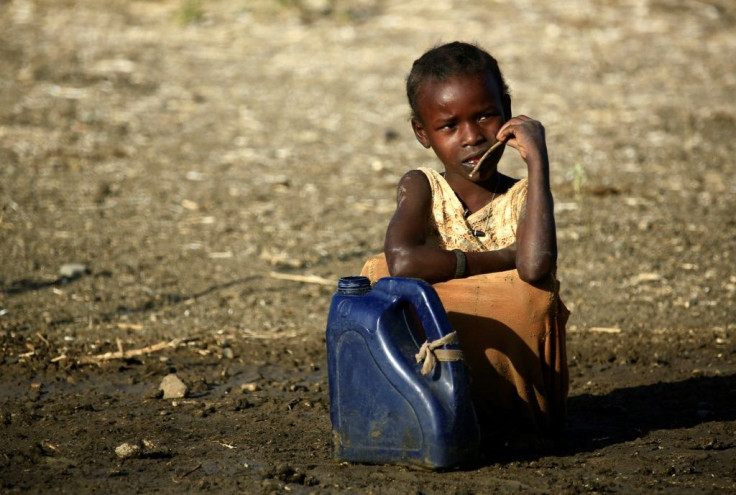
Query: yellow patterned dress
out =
(512, 333)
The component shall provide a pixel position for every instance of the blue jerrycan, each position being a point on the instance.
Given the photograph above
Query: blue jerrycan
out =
(382, 408)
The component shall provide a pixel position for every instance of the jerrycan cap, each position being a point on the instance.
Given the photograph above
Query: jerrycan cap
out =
(353, 285)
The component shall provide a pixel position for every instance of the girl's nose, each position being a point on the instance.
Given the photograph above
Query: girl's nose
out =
(472, 134)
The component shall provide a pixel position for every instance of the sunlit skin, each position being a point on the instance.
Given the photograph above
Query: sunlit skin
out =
(460, 118)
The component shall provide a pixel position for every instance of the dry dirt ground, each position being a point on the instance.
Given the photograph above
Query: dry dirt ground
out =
(190, 154)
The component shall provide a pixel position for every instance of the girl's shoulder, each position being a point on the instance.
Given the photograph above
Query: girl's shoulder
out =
(414, 180)
(414, 190)
(438, 185)
(430, 173)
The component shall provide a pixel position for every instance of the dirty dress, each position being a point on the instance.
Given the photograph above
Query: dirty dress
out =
(512, 333)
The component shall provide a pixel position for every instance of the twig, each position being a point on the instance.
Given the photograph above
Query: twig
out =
(271, 335)
(198, 466)
(38, 334)
(130, 326)
(226, 445)
(50, 445)
(485, 155)
(121, 354)
(309, 279)
(605, 329)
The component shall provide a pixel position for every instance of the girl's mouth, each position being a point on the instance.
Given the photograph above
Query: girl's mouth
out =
(473, 160)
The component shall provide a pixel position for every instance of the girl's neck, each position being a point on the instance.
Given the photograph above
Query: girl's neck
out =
(475, 195)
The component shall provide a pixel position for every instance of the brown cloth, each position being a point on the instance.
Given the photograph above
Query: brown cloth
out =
(512, 333)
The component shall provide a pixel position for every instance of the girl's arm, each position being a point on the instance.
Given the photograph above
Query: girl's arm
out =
(405, 246)
(536, 237)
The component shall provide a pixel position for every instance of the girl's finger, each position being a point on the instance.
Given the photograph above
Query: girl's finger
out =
(515, 121)
(506, 131)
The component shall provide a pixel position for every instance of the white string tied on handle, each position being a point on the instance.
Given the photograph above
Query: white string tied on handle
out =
(430, 354)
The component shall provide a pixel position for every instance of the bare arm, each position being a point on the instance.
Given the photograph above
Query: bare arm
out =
(536, 238)
(407, 252)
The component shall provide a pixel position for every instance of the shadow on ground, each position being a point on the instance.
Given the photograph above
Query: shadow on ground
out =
(625, 414)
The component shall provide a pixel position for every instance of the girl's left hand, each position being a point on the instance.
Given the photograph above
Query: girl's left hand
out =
(526, 135)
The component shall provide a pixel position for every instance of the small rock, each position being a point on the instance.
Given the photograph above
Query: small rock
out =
(250, 387)
(173, 387)
(128, 450)
(73, 270)
(227, 353)
(149, 444)
(141, 449)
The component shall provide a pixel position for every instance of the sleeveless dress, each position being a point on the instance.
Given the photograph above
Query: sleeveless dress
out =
(512, 333)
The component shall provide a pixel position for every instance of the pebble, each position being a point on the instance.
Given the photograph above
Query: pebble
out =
(128, 450)
(173, 387)
(250, 387)
(72, 270)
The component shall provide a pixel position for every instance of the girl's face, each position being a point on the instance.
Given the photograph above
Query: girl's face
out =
(459, 119)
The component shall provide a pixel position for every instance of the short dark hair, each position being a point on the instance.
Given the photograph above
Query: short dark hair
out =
(450, 60)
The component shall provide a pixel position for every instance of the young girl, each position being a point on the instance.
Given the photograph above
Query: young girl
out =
(485, 240)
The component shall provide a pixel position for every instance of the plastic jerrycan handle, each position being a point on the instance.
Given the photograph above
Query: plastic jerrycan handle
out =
(426, 302)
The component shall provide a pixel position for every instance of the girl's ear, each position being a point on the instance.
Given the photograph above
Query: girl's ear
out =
(419, 132)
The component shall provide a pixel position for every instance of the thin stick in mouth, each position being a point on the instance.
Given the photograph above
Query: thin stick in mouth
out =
(485, 155)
